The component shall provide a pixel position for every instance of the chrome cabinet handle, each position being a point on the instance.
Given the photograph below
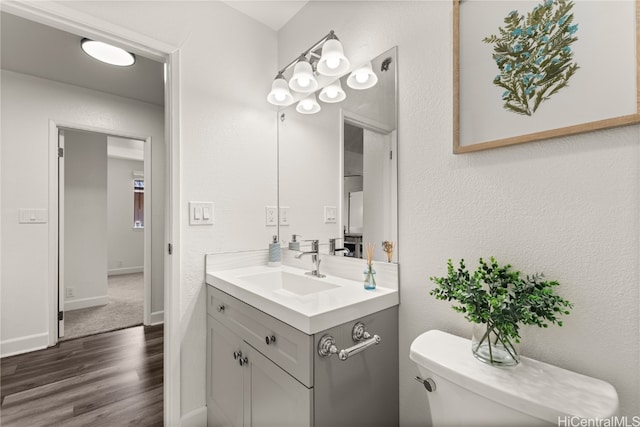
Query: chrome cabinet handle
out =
(243, 361)
(327, 347)
(236, 355)
(270, 339)
(220, 308)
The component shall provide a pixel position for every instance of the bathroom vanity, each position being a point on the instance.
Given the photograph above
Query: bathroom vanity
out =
(286, 349)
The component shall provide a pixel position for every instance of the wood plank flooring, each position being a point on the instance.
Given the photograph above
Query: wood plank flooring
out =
(110, 379)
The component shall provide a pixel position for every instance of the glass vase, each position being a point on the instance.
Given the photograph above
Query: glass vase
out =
(369, 277)
(490, 346)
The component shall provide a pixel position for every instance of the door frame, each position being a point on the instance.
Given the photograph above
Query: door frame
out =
(56, 186)
(73, 21)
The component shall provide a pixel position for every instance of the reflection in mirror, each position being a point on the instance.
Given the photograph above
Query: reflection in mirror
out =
(338, 169)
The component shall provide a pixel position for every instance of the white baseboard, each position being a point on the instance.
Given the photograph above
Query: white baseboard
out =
(157, 317)
(77, 304)
(127, 270)
(24, 344)
(195, 418)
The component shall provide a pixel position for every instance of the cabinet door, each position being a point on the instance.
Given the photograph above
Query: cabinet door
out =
(272, 396)
(224, 377)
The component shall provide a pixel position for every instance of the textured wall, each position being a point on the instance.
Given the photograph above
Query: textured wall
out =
(567, 207)
(28, 103)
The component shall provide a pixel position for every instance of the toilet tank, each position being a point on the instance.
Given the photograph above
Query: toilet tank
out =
(470, 392)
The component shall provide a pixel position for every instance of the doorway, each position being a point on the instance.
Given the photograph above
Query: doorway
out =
(105, 270)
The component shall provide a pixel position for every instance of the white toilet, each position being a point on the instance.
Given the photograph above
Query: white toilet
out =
(468, 392)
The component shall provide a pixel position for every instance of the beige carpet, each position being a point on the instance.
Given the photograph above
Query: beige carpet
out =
(125, 309)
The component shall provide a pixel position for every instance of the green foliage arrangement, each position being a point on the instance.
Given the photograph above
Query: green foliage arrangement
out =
(534, 55)
(501, 299)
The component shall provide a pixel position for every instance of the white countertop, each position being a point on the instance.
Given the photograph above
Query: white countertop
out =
(308, 313)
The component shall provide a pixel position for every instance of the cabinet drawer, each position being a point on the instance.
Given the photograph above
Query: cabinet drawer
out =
(291, 350)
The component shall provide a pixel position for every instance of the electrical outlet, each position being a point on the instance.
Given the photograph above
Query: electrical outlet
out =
(271, 217)
(330, 214)
(71, 292)
(284, 215)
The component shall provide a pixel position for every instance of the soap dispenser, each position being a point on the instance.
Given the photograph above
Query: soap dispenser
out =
(294, 245)
(274, 253)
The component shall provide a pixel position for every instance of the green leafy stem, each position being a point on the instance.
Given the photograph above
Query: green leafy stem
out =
(534, 55)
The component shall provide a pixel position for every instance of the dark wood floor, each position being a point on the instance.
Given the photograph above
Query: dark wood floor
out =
(110, 379)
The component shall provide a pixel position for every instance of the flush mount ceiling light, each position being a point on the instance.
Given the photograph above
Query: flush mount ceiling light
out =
(333, 93)
(308, 105)
(362, 77)
(107, 53)
(280, 94)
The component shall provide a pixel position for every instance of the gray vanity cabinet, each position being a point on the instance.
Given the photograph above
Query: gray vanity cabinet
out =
(244, 388)
(263, 372)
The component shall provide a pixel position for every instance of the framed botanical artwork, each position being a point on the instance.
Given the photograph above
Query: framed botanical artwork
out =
(531, 70)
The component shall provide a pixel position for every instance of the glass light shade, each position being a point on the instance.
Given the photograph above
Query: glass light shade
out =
(362, 77)
(332, 93)
(332, 61)
(280, 94)
(308, 105)
(107, 53)
(303, 80)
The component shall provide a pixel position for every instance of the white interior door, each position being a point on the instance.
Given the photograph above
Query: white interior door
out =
(60, 233)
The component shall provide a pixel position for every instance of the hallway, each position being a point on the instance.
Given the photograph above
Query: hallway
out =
(110, 379)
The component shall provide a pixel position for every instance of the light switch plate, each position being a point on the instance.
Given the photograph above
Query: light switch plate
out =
(284, 215)
(271, 216)
(330, 214)
(200, 213)
(32, 216)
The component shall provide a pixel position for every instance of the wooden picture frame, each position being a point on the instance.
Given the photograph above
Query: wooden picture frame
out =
(576, 72)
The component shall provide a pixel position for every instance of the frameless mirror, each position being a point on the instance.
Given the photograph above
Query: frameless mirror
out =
(338, 169)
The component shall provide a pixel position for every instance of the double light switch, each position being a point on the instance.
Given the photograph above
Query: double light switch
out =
(200, 213)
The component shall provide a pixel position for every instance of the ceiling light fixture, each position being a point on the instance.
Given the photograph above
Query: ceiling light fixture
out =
(362, 77)
(107, 53)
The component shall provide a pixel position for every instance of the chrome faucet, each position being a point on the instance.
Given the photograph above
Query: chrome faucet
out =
(315, 258)
(333, 249)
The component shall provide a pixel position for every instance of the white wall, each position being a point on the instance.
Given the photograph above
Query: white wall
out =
(85, 219)
(568, 207)
(227, 140)
(126, 244)
(28, 103)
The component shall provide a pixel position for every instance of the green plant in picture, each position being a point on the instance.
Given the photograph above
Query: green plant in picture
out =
(534, 55)
(499, 300)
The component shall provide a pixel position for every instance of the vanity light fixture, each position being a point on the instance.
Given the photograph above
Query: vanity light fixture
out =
(332, 62)
(362, 77)
(326, 58)
(333, 93)
(107, 53)
(308, 105)
(280, 94)
(303, 80)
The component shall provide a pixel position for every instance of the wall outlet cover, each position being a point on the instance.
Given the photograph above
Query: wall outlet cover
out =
(271, 216)
(330, 214)
(284, 215)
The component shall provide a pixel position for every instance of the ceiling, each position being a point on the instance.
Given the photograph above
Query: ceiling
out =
(273, 14)
(31, 48)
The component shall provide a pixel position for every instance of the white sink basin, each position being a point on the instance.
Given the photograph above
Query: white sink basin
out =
(286, 283)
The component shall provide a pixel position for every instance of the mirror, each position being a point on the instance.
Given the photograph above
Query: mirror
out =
(337, 172)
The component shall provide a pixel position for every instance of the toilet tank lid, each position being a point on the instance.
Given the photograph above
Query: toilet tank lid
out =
(532, 387)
